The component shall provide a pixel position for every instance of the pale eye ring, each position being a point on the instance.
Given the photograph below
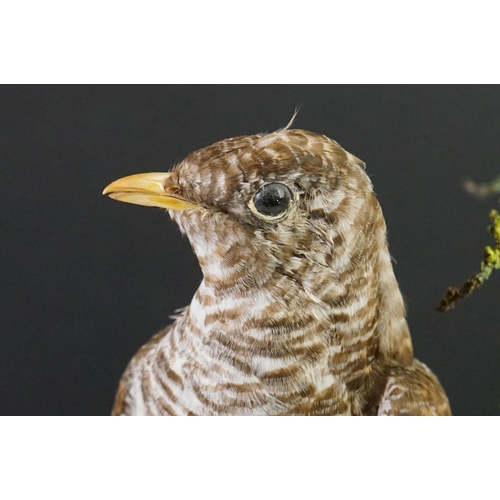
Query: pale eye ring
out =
(272, 200)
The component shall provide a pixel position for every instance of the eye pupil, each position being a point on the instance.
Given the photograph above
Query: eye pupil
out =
(272, 199)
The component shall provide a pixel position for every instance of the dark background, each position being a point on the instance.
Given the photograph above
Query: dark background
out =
(85, 280)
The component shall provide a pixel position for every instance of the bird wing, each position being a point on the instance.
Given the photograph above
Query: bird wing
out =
(413, 390)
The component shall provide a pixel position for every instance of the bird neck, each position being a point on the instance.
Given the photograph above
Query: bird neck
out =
(280, 341)
(266, 301)
(287, 320)
(312, 319)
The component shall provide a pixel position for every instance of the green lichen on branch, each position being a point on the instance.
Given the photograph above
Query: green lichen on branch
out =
(491, 261)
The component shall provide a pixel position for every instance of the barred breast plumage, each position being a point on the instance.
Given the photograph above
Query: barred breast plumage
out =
(299, 312)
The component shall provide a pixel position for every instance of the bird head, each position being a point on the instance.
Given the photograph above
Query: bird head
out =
(287, 197)
(289, 207)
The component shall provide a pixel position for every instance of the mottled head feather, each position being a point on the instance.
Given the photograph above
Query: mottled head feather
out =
(290, 123)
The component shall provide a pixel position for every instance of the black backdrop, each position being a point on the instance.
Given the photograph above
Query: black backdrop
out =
(85, 280)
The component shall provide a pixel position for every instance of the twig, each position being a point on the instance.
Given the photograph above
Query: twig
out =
(491, 261)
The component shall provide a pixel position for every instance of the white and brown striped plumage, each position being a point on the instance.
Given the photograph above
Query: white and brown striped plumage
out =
(296, 315)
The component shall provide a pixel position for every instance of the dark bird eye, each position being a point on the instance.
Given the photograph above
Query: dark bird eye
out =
(272, 199)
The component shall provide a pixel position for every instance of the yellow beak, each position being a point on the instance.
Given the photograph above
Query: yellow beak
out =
(155, 189)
